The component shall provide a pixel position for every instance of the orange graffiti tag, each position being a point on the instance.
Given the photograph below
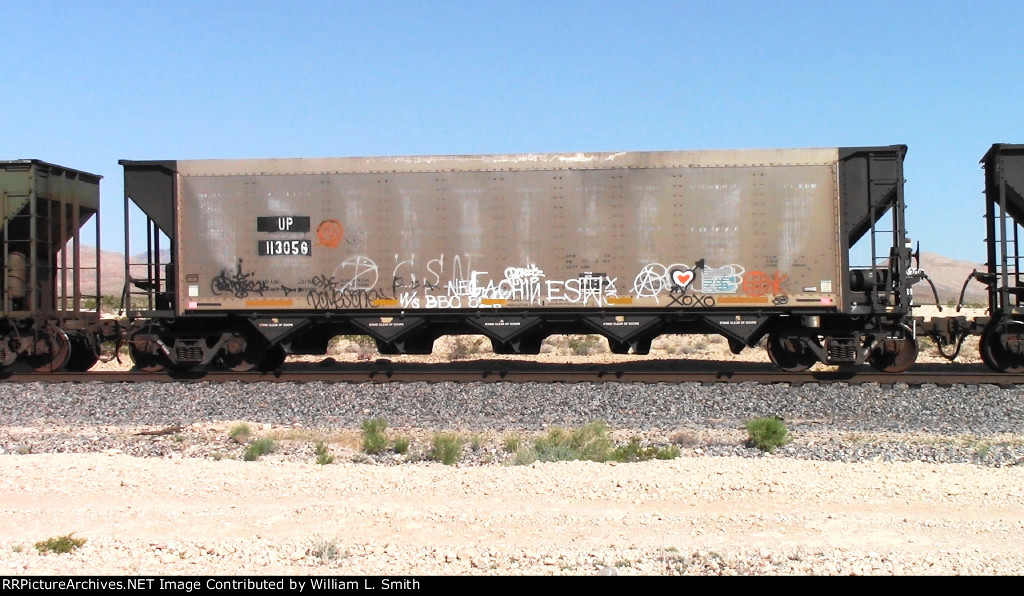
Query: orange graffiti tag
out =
(757, 283)
(330, 232)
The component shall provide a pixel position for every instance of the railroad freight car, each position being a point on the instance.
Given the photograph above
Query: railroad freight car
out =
(248, 260)
(1002, 333)
(1002, 341)
(47, 320)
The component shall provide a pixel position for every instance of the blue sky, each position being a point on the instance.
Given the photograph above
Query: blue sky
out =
(88, 83)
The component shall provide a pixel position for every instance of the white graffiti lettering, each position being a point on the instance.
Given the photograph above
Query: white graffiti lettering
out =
(409, 300)
(449, 281)
(531, 273)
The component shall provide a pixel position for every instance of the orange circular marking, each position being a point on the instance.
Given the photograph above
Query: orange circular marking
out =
(330, 232)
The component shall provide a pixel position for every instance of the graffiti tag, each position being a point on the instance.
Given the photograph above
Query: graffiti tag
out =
(238, 284)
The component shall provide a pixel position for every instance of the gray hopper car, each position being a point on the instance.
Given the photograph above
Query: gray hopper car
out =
(276, 256)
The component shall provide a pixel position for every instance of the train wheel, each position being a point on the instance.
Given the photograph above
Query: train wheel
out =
(52, 350)
(273, 359)
(789, 354)
(83, 356)
(894, 355)
(986, 351)
(8, 355)
(996, 352)
(243, 352)
(146, 362)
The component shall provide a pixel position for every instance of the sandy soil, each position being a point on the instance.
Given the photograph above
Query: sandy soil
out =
(693, 515)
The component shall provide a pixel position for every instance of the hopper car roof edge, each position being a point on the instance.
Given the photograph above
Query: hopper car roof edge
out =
(162, 163)
(508, 162)
(998, 148)
(40, 162)
(845, 152)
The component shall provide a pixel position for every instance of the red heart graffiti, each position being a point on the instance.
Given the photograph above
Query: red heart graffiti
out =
(682, 278)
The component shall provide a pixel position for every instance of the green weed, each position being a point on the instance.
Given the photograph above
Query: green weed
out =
(323, 549)
(240, 433)
(583, 345)
(633, 452)
(446, 448)
(460, 347)
(323, 456)
(513, 443)
(767, 433)
(591, 442)
(60, 544)
(258, 448)
(375, 438)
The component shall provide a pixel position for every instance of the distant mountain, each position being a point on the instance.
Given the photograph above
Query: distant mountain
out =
(948, 275)
(112, 266)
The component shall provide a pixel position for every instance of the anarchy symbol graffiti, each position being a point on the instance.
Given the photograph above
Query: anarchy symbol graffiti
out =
(651, 280)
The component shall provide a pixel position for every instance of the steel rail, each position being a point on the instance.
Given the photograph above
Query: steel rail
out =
(525, 372)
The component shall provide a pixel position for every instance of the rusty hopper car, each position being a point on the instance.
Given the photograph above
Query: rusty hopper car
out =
(47, 320)
(276, 256)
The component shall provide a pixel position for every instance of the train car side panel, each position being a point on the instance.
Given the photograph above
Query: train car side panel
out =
(665, 230)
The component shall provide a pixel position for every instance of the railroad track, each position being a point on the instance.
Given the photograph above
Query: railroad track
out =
(514, 371)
